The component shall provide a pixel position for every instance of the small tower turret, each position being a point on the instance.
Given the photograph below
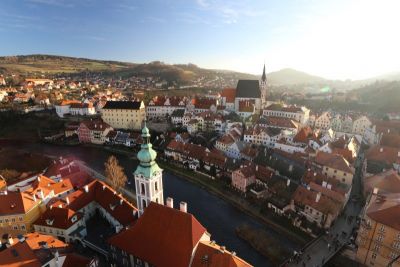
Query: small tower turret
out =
(148, 175)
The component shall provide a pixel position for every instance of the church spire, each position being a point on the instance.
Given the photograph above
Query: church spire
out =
(264, 76)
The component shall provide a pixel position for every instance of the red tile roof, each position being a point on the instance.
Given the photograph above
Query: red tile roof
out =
(303, 135)
(95, 125)
(229, 94)
(385, 209)
(390, 139)
(118, 207)
(15, 203)
(326, 205)
(30, 252)
(61, 218)
(212, 255)
(334, 161)
(386, 154)
(388, 182)
(162, 236)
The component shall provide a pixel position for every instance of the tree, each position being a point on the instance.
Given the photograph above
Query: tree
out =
(115, 175)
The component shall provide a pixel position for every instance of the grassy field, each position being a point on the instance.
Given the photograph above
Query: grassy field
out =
(66, 66)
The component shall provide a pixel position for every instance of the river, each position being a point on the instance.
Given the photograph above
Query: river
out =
(219, 217)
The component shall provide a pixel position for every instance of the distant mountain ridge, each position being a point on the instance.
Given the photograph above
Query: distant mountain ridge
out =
(291, 76)
(39, 64)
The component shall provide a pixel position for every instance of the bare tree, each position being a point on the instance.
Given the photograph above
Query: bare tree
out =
(115, 175)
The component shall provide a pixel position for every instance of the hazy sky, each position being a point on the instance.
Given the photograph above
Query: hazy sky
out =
(334, 39)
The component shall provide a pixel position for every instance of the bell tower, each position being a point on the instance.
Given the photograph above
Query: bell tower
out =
(148, 175)
(263, 88)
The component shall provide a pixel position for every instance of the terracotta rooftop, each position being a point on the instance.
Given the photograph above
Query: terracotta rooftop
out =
(118, 207)
(61, 218)
(211, 254)
(31, 251)
(326, 205)
(303, 135)
(172, 234)
(386, 154)
(95, 125)
(388, 182)
(385, 209)
(15, 203)
(229, 94)
(334, 161)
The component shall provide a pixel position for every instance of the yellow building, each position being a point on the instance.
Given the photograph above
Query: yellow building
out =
(378, 238)
(124, 114)
(18, 210)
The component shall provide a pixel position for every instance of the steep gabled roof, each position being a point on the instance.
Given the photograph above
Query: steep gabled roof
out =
(248, 89)
(60, 218)
(162, 236)
(122, 105)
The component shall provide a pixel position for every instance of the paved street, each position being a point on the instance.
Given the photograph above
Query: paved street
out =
(322, 249)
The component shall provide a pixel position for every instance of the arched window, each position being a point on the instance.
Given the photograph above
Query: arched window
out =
(144, 203)
(142, 190)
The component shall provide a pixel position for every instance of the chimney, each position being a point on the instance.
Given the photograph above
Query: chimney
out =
(288, 182)
(170, 202)
(256, 168)
(41, 194)
(329, 186)
(183, 206)
(315, 174)
(324, 184)
(375, 192)
(121, 201)
(318, 197)
(308, 187)
(10, 240)
(381, 149)
(67, 200)
(86, 187)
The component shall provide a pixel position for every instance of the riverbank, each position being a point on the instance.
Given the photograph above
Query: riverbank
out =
(217, 188)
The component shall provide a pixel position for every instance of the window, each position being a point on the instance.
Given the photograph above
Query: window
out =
(382, 228)
(144, 203)
(142, 191)
(156, 187)
(379, 238)
(373, 256)
(377, 247)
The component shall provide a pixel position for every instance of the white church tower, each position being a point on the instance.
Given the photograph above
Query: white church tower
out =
(263, 88)
(148, 176)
